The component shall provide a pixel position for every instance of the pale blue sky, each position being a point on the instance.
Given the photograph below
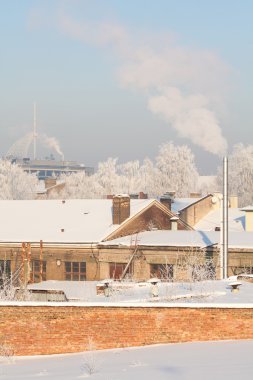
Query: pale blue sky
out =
(77, 83)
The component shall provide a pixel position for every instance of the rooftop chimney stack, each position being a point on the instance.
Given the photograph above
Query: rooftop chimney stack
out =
(120, 208)
(166, 199)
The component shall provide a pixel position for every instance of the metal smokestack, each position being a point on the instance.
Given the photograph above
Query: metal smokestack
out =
(225, 219)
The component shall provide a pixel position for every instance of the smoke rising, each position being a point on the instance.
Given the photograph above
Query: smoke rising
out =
(190, 116)
(184, 86)
(52, 143)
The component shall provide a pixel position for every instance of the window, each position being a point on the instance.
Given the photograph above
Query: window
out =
(162, 271)
(117, 269)
(35, 270)
(75, 271)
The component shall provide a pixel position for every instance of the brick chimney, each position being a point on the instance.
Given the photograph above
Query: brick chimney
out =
(120, 208)
(166, 200)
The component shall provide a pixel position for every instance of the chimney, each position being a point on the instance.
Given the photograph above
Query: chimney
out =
(166, 200)
(233, 201)
(248, 218)
(195, 195)
(120, 208)
(143, 195)
(174, 223)
(134, 196)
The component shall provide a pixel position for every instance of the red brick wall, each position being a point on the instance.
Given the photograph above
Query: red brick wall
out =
(51, 329)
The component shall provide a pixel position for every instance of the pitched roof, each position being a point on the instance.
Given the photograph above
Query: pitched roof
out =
(181, 203)
(236, 220)
(168, 238)
(57, 221)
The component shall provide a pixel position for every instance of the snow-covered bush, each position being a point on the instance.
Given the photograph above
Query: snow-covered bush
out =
(90, 363)
(6, 351)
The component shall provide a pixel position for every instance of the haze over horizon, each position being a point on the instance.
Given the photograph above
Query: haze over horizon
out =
(118, 79)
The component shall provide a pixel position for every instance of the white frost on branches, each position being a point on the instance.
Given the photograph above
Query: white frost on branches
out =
(240, 174)
(174, 170)
(15, 183)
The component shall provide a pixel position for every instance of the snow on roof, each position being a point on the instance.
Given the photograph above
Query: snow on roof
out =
(247, 208)
(236, 220)
(168, 238)
(217, 294)
(181, 203)
(68, 221)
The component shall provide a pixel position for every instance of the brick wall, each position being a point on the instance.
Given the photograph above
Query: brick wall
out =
(32, 330)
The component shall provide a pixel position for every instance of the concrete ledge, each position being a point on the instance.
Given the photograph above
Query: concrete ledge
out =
(182, 305)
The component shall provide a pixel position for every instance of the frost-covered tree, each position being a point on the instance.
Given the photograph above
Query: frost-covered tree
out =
(148, 175)
(15, 183)
(79, 186)
(176, 169)
(130, 180)
(240, 173)
(107, 176)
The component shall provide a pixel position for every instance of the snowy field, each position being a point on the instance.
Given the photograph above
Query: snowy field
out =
(185, 361)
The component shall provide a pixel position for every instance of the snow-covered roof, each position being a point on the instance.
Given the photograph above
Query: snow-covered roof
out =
(69, 221)
(211, 293)
(181, 203)
(236, 220)
(247, 208)
(168, 238)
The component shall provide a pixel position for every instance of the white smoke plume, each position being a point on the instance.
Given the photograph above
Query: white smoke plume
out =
(52, 143)
(182, 85)
(191, 117)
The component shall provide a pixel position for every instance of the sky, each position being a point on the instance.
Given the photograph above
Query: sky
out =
(115, 78)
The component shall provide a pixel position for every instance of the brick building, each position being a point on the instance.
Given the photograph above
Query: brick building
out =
(60, 238)
(95, 239)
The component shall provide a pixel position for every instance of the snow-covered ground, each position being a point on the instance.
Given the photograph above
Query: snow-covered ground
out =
(185, 361)
(199, 360)
(205, 291)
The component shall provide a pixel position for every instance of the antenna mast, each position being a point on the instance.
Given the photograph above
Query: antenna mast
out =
(34, 131)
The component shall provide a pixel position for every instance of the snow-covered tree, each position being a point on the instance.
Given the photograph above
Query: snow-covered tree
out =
(129, 177)
(15, 183)
(148, 174)
(107, 176)
(176, 169)
(240, 174)
(79, 186)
